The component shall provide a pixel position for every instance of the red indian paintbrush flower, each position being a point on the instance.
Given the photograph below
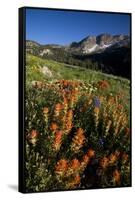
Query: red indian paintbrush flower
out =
(78, 140)
(86, 158)
(33, 136)
(91, 153)
(58, 108)
(57, 140)
(61, 166)
(84, 162)
(112, 158)
(75, 164)
(116, 176)
(125, 157)
(68, 126)
(69, 114)
(53, 126)
(103, 84)
(104, 162)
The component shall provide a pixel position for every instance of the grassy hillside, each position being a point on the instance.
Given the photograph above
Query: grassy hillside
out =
(70, 72)
(58, 71)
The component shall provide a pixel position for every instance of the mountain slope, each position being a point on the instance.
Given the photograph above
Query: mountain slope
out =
(107, 53)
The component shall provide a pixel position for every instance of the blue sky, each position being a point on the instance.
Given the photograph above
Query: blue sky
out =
(62, 27)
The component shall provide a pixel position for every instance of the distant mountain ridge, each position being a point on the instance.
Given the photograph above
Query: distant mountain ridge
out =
(87, 45)
(109, 53)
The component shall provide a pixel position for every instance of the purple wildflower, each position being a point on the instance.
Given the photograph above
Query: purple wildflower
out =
(101, 141)
(96, 102)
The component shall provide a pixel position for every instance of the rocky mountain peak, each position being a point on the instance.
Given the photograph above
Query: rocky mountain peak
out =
(88, 42)
(104, 39)
(100, 43)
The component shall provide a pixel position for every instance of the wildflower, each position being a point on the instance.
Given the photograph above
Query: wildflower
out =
(57, 109)
(78, 140)
(77, 180)
(91, 153)
(104, 162)
(68, 126)
(68, 120)
(112, 158)
(96, 116)
(80, 131)
(65, 83)
(84, 162)
(58, 106)
(61, 167)
(65, 104)
(53, 126)
(118, 124)
(63, 119)
(120, 107)
(45, 110)
(124, 120)
(108, 126)
(124, 157)
(101, 141)
(65, 101)
(69, 114)
(111, 100)
(33, 136)
(89, 101)
(116, 129)
(96, 110)
(34, 133)
(101, 98)
(103, 84)
(72, 101)
(57, 140)
(116, 176)
(75, 164)
(96, 102)
(86, 158)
